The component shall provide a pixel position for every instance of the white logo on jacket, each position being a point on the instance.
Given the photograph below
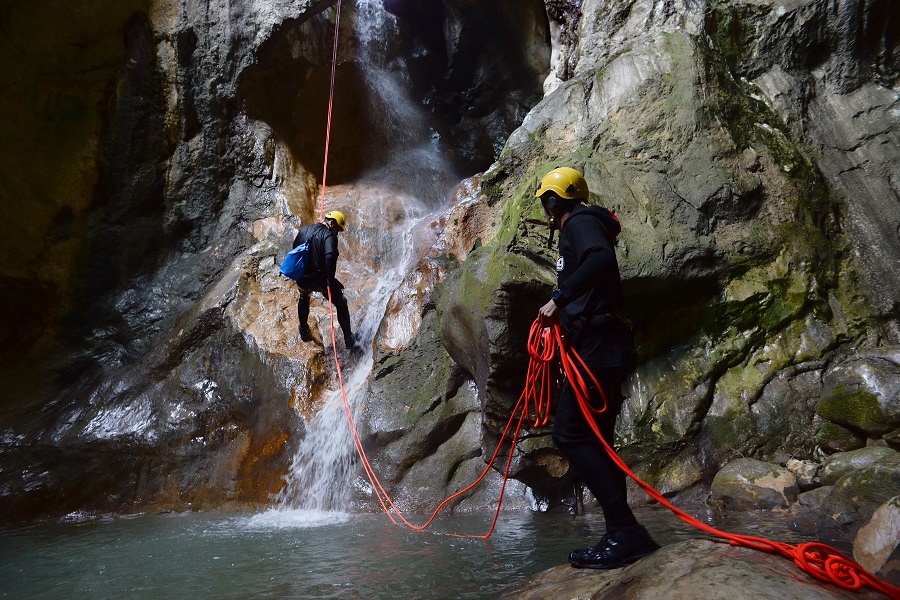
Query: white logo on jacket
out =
(560, 264)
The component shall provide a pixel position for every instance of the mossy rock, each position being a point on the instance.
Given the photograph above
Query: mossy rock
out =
(847, 462)
(750, 484)
(893, 438)
(856, 408)
(855, 497)
(863, 392)
(832, 437)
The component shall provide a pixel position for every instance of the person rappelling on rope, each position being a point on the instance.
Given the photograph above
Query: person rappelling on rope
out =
(586, 304)
(319, 276)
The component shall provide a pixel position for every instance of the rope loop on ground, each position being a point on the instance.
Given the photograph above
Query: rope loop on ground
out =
(827, 564)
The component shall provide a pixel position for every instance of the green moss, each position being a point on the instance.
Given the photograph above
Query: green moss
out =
(732, 26)
(730, 433)
(836, 438)
(735, 35)
(854, 408)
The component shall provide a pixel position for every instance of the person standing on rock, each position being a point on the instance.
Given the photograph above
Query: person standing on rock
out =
(585, 303)
(320, 277)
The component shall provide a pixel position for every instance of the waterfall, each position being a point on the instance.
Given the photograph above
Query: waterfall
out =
(413, 182)
(418, 164)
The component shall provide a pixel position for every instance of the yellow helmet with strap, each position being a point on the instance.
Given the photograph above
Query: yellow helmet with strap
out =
(565, 182)
(338, 217)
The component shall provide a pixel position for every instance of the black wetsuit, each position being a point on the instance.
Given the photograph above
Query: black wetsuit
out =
(320, 276)
(590, 295)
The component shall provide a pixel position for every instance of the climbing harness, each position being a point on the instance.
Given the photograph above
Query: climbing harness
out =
(818, 560)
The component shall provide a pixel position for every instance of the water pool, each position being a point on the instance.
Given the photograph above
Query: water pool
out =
(294, 554)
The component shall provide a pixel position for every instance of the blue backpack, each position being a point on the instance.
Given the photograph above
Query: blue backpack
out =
(296, 261)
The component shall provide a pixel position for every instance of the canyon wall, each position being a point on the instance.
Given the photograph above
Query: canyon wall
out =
(162, 153)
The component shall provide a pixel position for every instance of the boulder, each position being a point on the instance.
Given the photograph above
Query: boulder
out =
(844, 463)
(807, 507)
(877, 545)
(805, 471)
(699, 568)
(747, 483)
(832, 437)
(855, 497)
(892, 438)
(863, 392)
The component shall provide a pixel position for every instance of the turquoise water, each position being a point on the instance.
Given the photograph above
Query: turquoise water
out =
(299, 555)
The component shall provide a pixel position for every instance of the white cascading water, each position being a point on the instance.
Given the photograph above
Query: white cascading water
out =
(323, 470)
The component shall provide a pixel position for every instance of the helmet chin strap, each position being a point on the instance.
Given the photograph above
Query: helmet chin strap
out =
(553, 221)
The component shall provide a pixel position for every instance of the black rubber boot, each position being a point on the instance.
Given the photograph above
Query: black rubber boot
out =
(352, 344)
(616, 549)
(305, 333)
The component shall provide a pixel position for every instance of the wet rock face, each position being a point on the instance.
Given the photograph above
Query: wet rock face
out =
(203, 420)
(197, 139)
(158, 208)
(65, 153)
(476, 66)
(698, 139)
(749, 148)
(483, 68)
(811, 70)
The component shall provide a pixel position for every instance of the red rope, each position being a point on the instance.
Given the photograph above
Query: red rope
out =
(390, 508)
(334, 52)
(541, 389)
(538, 386)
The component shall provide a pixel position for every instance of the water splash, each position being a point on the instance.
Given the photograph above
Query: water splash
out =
(295, 519)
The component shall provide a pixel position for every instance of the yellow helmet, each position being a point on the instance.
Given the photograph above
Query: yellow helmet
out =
(338, 217)
(565, 182)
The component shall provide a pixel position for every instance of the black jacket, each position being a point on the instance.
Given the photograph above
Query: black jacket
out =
(323, 251)
(590, 288)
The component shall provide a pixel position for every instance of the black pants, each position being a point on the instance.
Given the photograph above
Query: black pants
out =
(578, 442)
(337, 299)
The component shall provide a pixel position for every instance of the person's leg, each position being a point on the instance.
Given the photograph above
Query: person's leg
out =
(578, 442)
(626, 540)
(303, 315)
(343, 315)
